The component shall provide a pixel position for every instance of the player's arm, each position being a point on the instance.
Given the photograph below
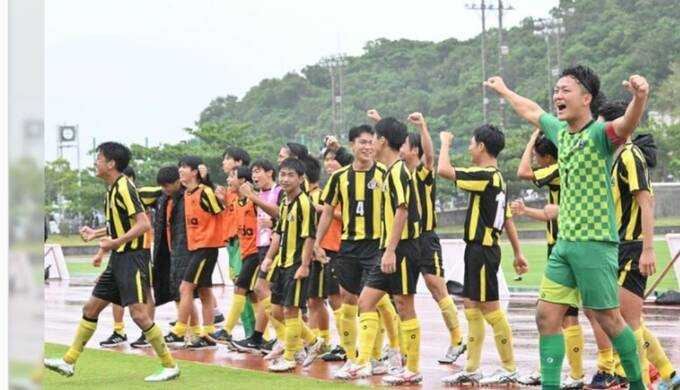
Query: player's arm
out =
(524, 171)
(520, 263)
(140, 227)
(327, 216)
(388, 263)
(444, 167)
(639, 88)
(518, 208)
(246, 190)
(425, 140)
(373, 115)
(529, 110)
(210, 202)
(271, 252)
(648, 258)
(89, 234)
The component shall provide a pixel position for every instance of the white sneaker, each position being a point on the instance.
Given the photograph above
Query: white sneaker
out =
(58, 365)
(569, 383)
(378, 367)
(313, 352)
(500, 377)
(282, 365)
(406, 377)
(533, 379)
(164, 374)
(394, 361)
(276, 351)
(355, 371)
(342, 371)
(453, 353)
(300, 356)
(462, 377)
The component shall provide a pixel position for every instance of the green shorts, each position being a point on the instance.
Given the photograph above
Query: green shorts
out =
(584, 271)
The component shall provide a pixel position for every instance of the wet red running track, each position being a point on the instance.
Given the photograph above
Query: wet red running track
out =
(64, 300)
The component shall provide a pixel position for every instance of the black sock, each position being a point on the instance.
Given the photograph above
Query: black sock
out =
(257, 336)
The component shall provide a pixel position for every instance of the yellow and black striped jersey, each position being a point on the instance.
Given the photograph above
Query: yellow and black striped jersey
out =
(630, 174)
(149, 195)
(122, 205)
(550, 177)
(426, 186)
(360, 195)
(295, 225)
(315, 196)
(399, 191)
(487, 206)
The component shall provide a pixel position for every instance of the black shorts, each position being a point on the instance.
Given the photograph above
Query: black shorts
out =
(630, 277)
(125, 281)
(405, 279)
(480, 282)
(201, 265)
(288, 291)
(249, 271)
(322, 282)
(355, 262)
(430, 258)
(332, 279)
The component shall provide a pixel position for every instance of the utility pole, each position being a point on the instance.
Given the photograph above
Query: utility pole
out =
(548, 28)
(502, 50)
(482, 7)
(335, 65)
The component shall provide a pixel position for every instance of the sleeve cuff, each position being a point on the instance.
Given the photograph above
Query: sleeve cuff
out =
(612, 136)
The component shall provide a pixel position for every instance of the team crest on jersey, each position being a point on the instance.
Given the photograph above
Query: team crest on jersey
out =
(372, 184)
(291, 217)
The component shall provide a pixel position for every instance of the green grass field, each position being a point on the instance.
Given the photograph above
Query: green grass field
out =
(98, 369)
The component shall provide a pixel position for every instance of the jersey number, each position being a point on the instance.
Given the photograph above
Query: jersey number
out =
(360, 208)
(499, 221)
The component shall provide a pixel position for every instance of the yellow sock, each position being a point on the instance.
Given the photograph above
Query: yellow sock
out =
(657, 356)
(573, 341)
(119, 327)
(180, 329)
(450, 315)
(278, 326)
(476, 333)
(306, 334)
(238, 302)
(196, 330)
(338, 321)
(503, 336)
(154, 336)
(348, 337)
(642, 353)
(411, 329)
(379, 341)
(85, 330)
(325, 334)
(402, 340)
(390, 319)
(618, 368)
(316, 331)
(368, 328)
(208, 329)
(605, 361)
(292, 337)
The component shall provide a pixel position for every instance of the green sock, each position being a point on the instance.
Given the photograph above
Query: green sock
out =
(625, 345)
(552, 355)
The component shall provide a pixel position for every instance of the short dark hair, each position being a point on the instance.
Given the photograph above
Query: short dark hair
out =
(415, 142)
(117, 152)
(265, 165)
(312, 169)
(492, 138)
(167, 175)
(357, 131)
(193, 162)
(293, 164)
(130, 172)
(243, 172)
(297, 150)
(238, 154)
(588, 79)
(342, 156)
(612, 109)
(545, 147)
(393, 131)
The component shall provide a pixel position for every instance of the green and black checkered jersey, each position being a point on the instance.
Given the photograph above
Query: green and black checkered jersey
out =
(295, 224)
(360, 194)
(149, 196)
(487, 205)
(550, 177)
(585, 158)
(122, 204)
(630, 174)
(426, 186)
(399, 191)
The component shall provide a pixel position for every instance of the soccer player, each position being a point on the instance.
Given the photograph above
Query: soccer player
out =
(293, 240)
(418, 154)
(488, 214)
(397, 272)
(205, 235)
(357, 188)
(547, 175)
(126, 277)
(585, 258)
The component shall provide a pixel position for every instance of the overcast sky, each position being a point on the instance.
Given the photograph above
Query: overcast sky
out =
(128, 70)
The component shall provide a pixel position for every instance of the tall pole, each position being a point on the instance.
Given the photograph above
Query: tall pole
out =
(501, 102)
(484, 99)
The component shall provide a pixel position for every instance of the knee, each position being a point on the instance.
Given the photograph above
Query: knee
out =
(546, 322)
(186, 289)
(90, 311)
(138, 314)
